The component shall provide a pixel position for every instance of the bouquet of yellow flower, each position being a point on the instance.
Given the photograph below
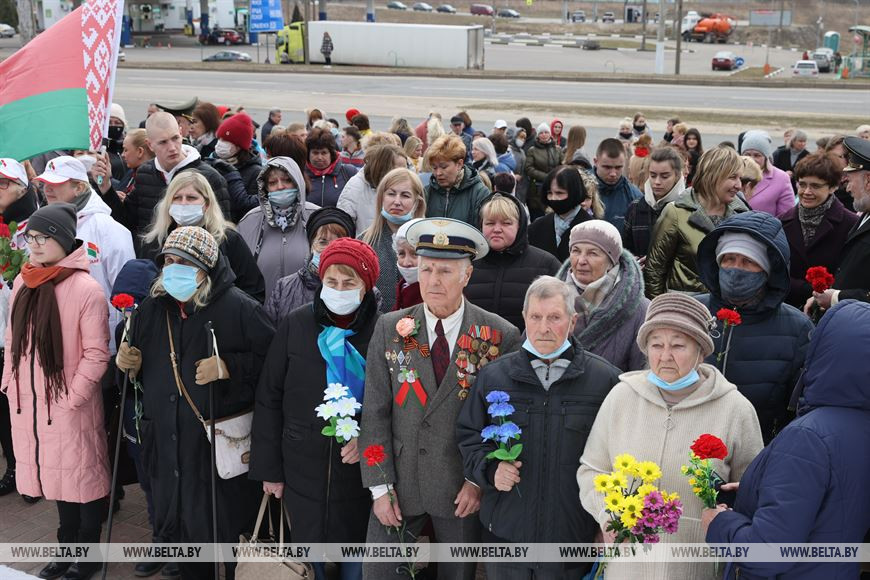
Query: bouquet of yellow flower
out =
(639, 511)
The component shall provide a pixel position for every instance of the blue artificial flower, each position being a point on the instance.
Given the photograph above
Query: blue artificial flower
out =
(500, 409)
(497, 397)
(509, 430)
(490, 432)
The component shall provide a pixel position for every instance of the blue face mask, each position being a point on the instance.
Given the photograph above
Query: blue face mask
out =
(283, 197)
(397, 219)
(740, 287)
(687, 381)
(180, 281)
(341, 302)
(315, 260)
(555, 354)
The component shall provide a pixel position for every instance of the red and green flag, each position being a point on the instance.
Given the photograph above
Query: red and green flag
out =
(56, 91)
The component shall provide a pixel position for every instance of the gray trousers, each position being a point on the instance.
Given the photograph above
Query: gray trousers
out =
(447, 530)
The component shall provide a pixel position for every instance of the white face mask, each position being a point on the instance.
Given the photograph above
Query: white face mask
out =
(186, 215)
(341, 302)
(411, 275)
(225, 149)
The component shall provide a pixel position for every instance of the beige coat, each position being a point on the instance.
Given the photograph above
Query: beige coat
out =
(635, 419)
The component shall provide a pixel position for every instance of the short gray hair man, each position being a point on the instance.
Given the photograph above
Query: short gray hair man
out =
(545, 287)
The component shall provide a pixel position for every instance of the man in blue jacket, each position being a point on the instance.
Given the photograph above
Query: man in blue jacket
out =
(810, 484)
(614, 189)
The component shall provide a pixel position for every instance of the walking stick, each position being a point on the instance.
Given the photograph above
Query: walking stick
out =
(114, 490)
(212, 342)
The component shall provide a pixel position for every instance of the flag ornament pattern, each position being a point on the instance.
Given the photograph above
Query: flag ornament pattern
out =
(100, 22)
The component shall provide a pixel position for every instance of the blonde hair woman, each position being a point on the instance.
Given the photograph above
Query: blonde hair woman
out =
(671, 261)
(190, 201)
(400, 199)
(750, 176)
(414, 149)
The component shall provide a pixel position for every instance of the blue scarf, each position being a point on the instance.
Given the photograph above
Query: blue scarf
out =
(343, 363)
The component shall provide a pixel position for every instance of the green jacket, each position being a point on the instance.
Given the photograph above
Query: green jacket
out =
(670, 263)
(540, 160)
(460, 203)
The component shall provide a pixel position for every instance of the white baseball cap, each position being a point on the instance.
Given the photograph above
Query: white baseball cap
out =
(62, 169)
(11, 169)
(500, 124)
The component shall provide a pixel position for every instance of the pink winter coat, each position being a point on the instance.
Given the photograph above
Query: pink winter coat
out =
(73, 456)
(774, 194)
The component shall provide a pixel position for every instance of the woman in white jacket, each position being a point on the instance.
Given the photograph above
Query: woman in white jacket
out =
(656, 415)
(359, 197)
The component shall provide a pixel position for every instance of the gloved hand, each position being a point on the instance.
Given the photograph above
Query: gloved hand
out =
(129, 359)
(211, 369)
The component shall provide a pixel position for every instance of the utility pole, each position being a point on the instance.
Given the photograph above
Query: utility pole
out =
(678, 27)
(25, 21)
(643, 29)
(781, 15)
(660, 40)
(564, 11)
(306, 17)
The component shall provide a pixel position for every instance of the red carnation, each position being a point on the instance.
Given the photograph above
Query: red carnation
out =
(729, 316)
(123, 301)
(709, 447)
(819, 278)
(4, 231)
(374, 454)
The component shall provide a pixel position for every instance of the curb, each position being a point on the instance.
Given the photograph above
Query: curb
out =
(590, 77)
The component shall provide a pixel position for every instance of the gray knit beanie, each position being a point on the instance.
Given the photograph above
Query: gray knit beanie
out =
(677, 311)
(598, 233)
(58, 221)
(757, 141)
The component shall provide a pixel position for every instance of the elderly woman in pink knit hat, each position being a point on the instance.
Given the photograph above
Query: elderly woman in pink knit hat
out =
(656, 415)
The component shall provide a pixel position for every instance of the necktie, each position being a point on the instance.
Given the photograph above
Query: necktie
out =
(440, 354)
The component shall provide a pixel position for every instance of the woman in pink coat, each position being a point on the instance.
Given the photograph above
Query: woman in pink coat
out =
(774, 194)
(59, 312)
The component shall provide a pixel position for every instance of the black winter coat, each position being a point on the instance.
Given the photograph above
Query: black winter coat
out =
(825, 249)
(325, 498)
(555, 424)
(499, 281)
(249, 171)
(853, 276)
(175, 449)
(542, 234)
(248, 277)
(766, 352)
(149, 186)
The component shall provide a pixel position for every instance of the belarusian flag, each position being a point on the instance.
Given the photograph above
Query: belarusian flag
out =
(56, 91)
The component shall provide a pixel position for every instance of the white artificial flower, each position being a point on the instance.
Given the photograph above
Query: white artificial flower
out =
(327, 410)
(334, 391)
(348, 406)
(347, 429)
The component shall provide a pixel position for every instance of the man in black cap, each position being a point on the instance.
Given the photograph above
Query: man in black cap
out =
(457, 125)
(852, 279)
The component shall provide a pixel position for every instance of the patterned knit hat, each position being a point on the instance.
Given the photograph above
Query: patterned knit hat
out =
(192, 243)
(354, 254)
(677, 311)
(598, 233)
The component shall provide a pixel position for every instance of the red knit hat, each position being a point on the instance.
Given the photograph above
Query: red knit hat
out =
(355, 254)
(350, 114)
(238, 130)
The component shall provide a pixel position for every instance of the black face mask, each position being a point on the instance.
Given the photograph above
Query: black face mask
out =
(626, 135)
(562, 206)
(640, 128)
(116, 133)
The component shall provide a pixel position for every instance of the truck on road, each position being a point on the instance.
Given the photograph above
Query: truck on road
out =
(712, 28)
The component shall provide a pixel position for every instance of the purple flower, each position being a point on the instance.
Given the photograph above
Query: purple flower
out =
(653, 499)
(651, 539)
(500, 409)
(497, 397)
(490, 432)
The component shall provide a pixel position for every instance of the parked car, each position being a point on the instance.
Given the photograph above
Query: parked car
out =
(6, 31)
(225, 36)
(823, 60)
(608, 17)
(482, 10)
(446, 9)
(396, 5)
(421, 7)
(591, 44)
(725, 60)
(578, 16)
(508, 13)
(805, 68)
(228, 56)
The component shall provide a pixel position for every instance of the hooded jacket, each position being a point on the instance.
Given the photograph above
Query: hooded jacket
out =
(61, 448)
(359, 200)
(278, 252)
(499, 281)
(541, 159)
(291, 292)
(810, 484)
(642, 215)
(326, 188)
(671, 263)
(765, 353)
(616, 199)
(459, 203)
(635, 419)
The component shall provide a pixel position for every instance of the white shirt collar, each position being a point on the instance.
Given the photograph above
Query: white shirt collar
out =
(450, 324)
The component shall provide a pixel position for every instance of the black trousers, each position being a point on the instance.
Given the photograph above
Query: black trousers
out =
(80, 522)
(6, 425)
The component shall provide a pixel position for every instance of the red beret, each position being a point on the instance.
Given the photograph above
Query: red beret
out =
(354, 254)
(350, 114)
(238, 130)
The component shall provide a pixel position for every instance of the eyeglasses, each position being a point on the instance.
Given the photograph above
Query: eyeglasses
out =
(5, 183)
(39, 239)
(811, 186)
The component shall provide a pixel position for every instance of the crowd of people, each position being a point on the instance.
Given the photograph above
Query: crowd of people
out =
(357, 300)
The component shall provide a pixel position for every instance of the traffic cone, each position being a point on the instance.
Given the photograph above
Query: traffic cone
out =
(766, 69)
(845, 73)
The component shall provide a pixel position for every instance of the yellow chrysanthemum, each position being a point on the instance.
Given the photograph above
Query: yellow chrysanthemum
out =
(645, 490)
(602, 483)
(649, 471)
(613, 502)
(632, 505)
(684, 470)
(628, 520)
(696, 490)
(699, 472)
(693, 481)
(618, 480)
(670, 496)
(624, 463)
